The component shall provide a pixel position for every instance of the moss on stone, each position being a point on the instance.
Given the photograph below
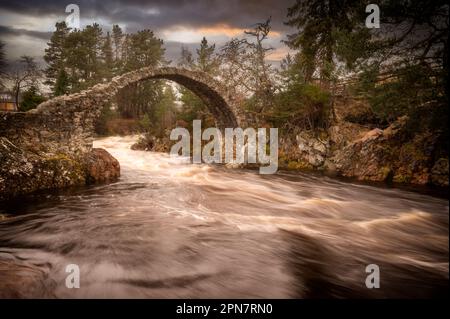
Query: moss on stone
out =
(65, 169)
(401, 178)
(386, 173)
(298, 165)
(57, 157)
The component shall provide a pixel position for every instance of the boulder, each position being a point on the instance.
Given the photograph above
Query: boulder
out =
(23, 172)
(148, 142)
(102, 167)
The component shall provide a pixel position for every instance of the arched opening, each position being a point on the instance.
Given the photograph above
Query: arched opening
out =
(202, 85)
(213, 100)
(78, 112)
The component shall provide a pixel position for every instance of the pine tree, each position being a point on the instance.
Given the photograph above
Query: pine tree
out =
(55, 54)
(118, 41)
(93, 40)
(141, 49)
(186, 60)
(31, 98)
(84, 57)
(62, 84)
(164, 110)
(108, 61)
(76, 61)
(321, 24)
(206, 61)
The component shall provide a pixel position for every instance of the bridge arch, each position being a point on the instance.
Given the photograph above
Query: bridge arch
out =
(91, 101)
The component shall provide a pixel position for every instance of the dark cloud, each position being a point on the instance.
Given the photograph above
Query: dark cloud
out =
(193, 13)
(8, 32)
(158, 15)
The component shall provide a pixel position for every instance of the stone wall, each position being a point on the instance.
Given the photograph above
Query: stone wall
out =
(42, 132)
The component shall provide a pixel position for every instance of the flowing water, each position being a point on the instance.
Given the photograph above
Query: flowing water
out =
(168, 228)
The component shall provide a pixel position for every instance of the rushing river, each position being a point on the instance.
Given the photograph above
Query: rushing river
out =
(168, 228)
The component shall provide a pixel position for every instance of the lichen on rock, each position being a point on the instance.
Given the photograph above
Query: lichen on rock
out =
(23, 171)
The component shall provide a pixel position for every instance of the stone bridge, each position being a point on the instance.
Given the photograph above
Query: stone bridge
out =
(67, 122)
(51, 146)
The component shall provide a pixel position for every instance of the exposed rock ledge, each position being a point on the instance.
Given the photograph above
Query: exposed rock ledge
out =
(23, 172)
(388, 155)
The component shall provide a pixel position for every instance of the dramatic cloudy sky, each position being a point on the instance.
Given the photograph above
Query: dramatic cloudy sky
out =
(26, 25)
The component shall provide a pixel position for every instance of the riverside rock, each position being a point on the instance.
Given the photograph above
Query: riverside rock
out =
(102, 167)
(23, 171)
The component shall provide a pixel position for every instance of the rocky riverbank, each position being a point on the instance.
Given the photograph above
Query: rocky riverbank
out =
(344, 149)
(352, 150)
(24, 171)
(383, 155)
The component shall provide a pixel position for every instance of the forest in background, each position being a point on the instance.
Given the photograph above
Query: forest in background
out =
(399, 69)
